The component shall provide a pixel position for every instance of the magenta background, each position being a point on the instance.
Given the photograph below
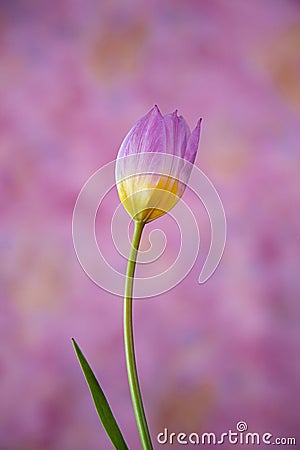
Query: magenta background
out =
(74, 77)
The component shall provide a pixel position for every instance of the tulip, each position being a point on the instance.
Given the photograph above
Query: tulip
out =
(154, 164)
(153, 167)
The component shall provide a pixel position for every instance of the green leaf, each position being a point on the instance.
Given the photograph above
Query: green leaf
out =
(101, 404)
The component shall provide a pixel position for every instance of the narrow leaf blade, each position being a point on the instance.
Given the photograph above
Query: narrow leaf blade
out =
(101, 404)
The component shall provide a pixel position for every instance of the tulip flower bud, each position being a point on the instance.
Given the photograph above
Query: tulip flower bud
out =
(154, 164)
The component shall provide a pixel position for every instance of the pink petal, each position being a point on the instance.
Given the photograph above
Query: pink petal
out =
(147, 135)
(193, 143)
(178, 134)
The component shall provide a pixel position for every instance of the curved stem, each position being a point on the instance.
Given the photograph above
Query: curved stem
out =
(129, 342)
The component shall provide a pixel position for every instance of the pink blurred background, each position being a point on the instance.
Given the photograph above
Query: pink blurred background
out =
(74, 77)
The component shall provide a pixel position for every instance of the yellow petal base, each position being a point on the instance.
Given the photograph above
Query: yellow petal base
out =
(146, 199)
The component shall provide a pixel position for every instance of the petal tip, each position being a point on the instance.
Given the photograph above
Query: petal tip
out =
(197, 128)
(199, 123)
(156, 109)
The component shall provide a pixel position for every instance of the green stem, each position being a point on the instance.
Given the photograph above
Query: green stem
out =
(129, 342)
